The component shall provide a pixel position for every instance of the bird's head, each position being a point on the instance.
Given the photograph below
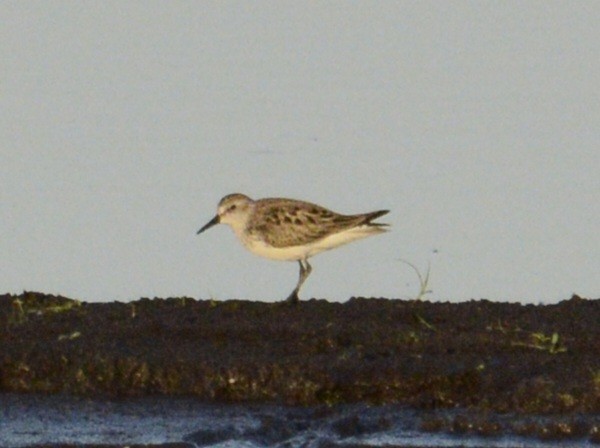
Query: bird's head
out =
(233, 210)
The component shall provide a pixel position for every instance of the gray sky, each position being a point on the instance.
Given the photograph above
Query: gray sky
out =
(477, 123)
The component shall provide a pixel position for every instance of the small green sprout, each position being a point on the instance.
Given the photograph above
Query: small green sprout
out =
(423, 280)
(423, 322)
(66, 306)
(69, 337)
(540, 341)
(18, 314)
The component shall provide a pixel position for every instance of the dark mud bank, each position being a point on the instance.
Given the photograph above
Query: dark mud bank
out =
(502, 357)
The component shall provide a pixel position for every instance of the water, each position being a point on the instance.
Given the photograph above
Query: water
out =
(34, 419)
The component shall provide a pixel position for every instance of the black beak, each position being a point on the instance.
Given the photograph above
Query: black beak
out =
(209, 224)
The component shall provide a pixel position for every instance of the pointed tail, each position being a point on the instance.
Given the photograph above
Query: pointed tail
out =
(369, 217)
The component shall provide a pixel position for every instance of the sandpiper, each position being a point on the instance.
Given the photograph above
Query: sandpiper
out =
(291, 230)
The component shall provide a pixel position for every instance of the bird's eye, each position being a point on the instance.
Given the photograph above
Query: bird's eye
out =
(233, 207)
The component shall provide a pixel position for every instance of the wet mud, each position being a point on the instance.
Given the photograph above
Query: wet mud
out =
(35, 420)
(494, 358)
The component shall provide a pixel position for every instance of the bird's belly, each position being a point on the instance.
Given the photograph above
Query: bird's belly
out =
(290, 253)
(302, 252)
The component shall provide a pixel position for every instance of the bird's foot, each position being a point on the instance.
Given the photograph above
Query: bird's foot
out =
(293, 298)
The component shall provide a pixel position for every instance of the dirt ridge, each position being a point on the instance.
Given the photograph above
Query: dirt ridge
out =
(506, 357)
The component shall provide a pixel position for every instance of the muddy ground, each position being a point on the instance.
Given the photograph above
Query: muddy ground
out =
(501, 357)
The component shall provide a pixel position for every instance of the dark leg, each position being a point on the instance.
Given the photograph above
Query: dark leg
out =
(305, 270)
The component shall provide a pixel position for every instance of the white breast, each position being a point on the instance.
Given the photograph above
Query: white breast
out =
(293, 253)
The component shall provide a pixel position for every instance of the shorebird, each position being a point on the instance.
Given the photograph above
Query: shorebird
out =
(291, 230)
